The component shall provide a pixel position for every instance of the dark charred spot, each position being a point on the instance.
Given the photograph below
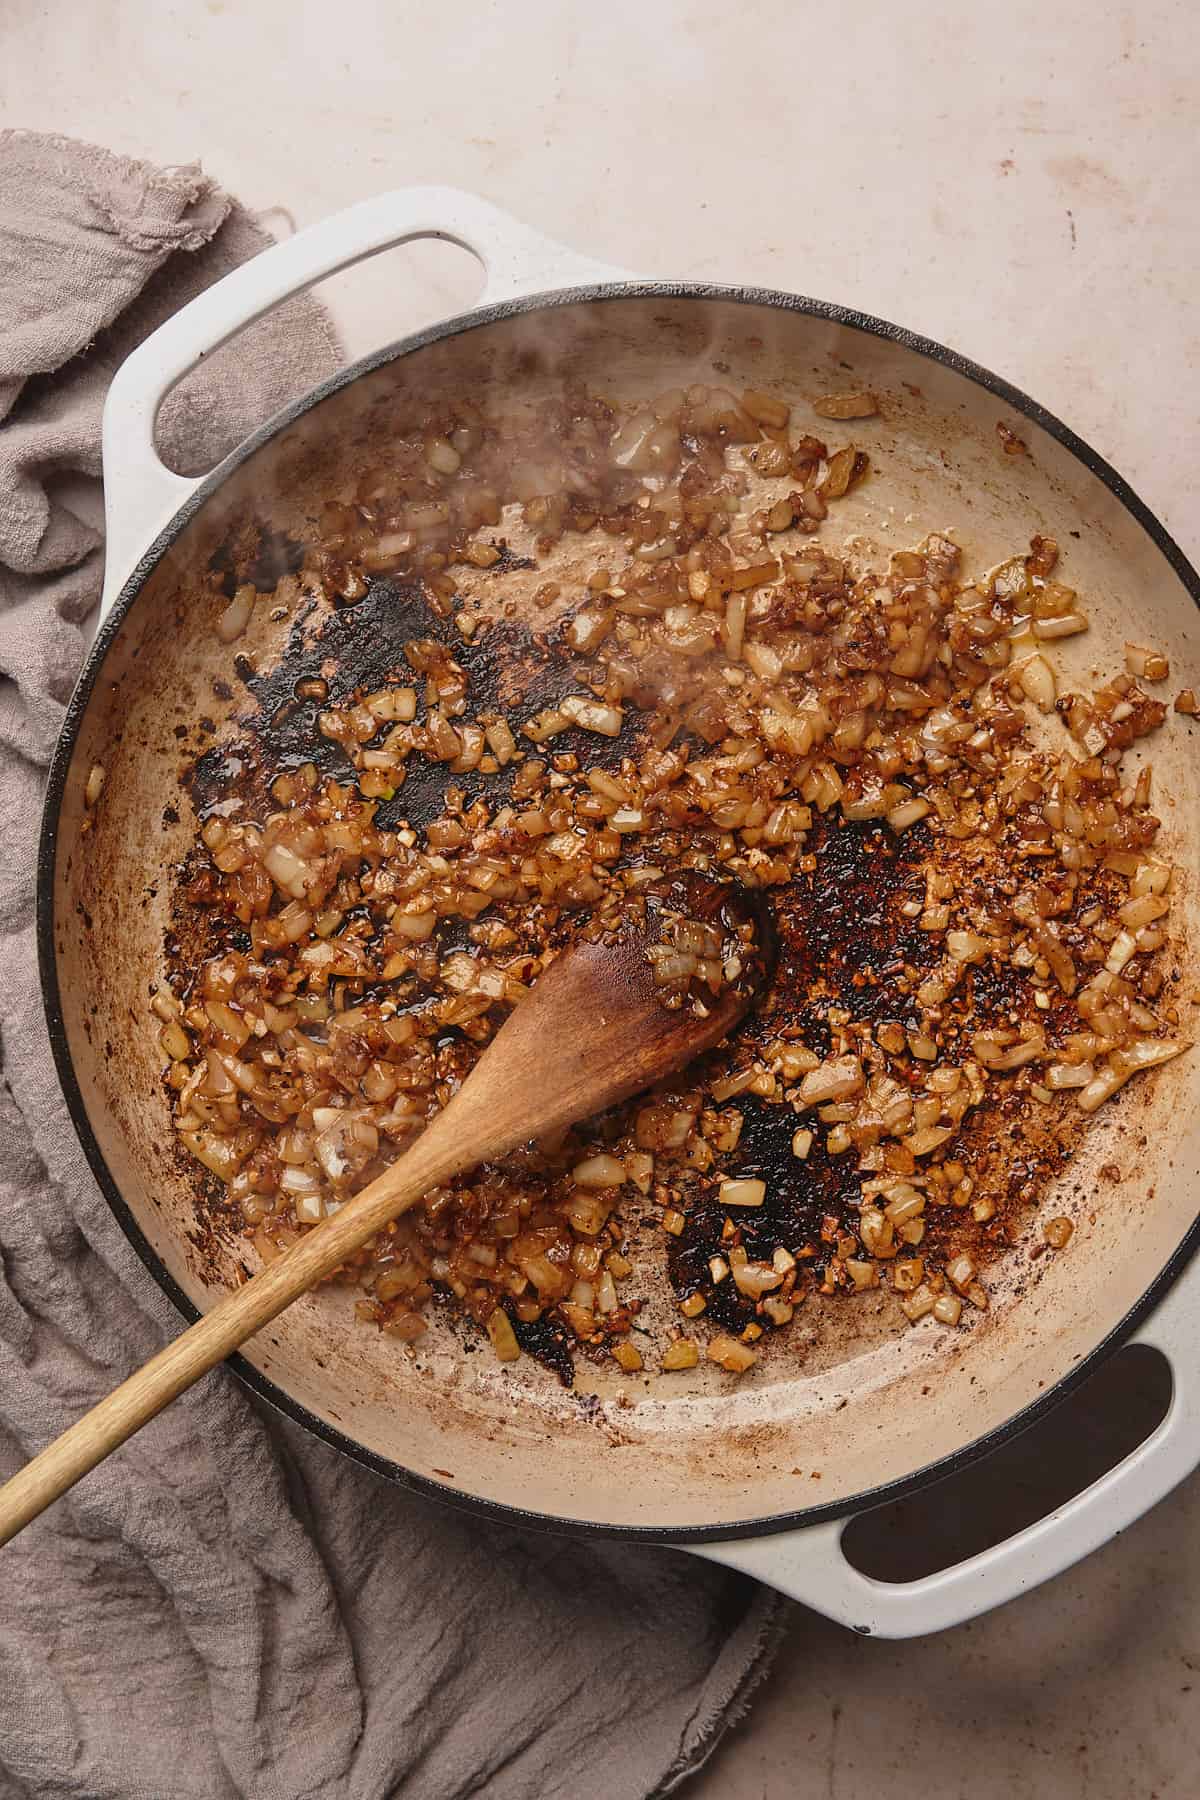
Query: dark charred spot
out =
(550, 1343)
(799, 1197)
(214, 775)
(842, 934)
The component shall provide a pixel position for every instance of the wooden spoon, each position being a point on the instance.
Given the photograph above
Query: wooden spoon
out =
(593, 1031)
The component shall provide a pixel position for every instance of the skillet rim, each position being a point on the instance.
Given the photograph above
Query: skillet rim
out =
(266, 1389)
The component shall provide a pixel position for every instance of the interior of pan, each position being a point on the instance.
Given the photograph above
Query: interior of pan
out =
(851, 1402)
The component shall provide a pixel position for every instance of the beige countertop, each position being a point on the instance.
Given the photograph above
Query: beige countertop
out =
(1016, 180)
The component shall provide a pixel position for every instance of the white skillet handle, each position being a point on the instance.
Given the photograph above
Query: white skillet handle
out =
(809, 1564)
(141, 495)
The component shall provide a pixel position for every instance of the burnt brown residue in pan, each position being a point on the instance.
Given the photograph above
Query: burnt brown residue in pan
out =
(329, 660)
(848, 949)
(357, 649)
(843, 945)
(851, 950)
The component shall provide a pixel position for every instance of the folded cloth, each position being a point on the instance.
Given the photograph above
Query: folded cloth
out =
(228, 1607)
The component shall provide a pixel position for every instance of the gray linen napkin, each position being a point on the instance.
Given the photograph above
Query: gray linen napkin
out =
(228, 1607)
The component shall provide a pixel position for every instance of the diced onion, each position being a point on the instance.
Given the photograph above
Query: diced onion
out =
(745, 1192)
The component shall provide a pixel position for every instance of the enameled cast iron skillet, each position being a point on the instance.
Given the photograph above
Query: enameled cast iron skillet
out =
(761, 1474)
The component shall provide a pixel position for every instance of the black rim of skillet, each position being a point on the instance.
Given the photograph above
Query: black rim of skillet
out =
(262, 1385)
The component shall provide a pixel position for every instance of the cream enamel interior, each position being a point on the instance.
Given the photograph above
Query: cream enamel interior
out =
(858, 1400)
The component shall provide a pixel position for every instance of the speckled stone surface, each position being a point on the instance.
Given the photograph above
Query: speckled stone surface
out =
(1016, 180)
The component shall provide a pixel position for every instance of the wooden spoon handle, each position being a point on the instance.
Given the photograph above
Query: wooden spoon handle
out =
(436, 1155)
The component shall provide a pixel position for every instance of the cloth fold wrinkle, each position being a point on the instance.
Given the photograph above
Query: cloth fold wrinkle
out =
(227, 1606)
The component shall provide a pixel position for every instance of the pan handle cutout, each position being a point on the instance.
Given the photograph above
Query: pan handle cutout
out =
(812, 1564)
(141, 494)
(1090, 1432)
